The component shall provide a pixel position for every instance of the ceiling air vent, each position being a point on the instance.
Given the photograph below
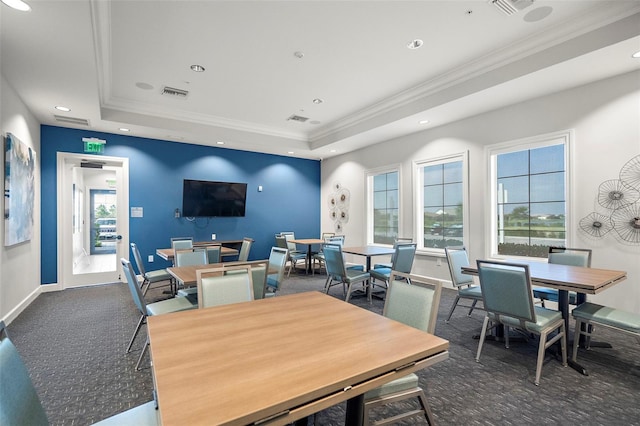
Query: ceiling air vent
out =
(71, 120)
(172, 91)
(297, 118)
(510, 7)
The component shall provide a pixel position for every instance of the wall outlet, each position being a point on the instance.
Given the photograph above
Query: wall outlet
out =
(213, 237)
(150, 258)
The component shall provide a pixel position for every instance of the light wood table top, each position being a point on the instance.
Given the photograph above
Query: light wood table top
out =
(308, 241)
(186, 275)
(282, 358)
(167, 253)
(565, 277)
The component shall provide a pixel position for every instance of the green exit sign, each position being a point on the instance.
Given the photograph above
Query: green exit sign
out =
(93, 145)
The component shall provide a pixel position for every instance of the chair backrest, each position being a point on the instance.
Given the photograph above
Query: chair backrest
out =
(134, 288)
(19, 402)
(181, 243)
(326, 235)
(456, 259)
(288, 237)
(414, 304)
(334, 262)
(138, 259)
(224, 285)
(403, 257)
(335, 239)
(243, 256)
(570, 256)
(281, 241)
(277, 260)
(196, 256)
(213, 253)
(506, 289)
(259, 278)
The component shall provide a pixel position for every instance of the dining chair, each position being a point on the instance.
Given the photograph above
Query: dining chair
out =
(412, 300)
(508, 301)
(397, 242)
(224, 285)
(277, 261)
(213, 253)
(180, 243)
(194, 256)
(338, 273)
(245, 248)
(293, 258)
(20, 404)
(563, 256)
(402, 262)
(150, 277)
(319, 257)
(174, 304)
(467, 289)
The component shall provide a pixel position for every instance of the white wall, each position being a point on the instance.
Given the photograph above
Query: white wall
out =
(19, 264)
(605, 117)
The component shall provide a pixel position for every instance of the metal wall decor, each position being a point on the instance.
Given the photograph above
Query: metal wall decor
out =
(620, 199)
(339, 201)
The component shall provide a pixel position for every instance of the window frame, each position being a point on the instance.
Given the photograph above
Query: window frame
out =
(418, 208)
(564, 137)
(369, 179)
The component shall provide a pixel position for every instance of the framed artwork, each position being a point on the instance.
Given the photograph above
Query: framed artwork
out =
(19, 190)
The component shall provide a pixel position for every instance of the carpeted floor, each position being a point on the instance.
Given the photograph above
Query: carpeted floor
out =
(73, 343)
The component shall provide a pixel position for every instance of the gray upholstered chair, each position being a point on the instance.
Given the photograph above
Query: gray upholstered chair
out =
(224, 285)
(149, 309)
(277, 260)
(416, 305)
(20, 405)
(181, 243)
(508, 301)
(563, 256)
(150, 277)
(189, 257)
(213, 253)
(464, 284)
(402, 262)
(245, 248)
(338, 273)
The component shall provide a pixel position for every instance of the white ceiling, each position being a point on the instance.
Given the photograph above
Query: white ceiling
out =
(109, 60)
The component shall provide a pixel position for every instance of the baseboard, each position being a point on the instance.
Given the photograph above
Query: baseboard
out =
(51, 287)
(13, 314)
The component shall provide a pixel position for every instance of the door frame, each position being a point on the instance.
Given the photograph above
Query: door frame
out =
(64, 188)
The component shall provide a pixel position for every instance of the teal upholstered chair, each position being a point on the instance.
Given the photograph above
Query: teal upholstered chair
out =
(339, 274)
(508, 301)
(319, 257)
(181, 243)
(277, 261)
(563, 256)
(245, 248)
(224, 285)
(402, 262)
(190, 257)
(149, 309)
(149, 277)
(292, 258)
(464, 284)
(397, 242)
(213, 253)
(416, 305)
(20, 405)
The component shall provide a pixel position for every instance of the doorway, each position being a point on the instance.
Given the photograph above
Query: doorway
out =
(93, 227)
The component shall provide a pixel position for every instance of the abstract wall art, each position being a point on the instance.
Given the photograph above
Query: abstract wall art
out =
(19, 190)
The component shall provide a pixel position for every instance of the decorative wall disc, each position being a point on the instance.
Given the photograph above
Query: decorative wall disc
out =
(596, 224)
(626, 222)
(630, 173)
(344, 216)
(613, 194)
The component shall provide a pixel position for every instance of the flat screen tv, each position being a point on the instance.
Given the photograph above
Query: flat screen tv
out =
(213, 199)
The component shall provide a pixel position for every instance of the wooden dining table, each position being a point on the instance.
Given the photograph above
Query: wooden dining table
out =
(186, 276)
(566, 278)
(368, 252)
(168, 253)
(309, 242)
(278, 360)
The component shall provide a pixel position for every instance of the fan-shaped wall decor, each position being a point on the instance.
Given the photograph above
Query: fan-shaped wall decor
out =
(626, 222)
(613, 194)
(596, 224)
(630, 173)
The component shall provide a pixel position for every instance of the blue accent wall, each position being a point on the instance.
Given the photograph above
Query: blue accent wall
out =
(290, 200)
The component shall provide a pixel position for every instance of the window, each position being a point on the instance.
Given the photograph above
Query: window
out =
(441, 186)
(384, 206)
(529, 196)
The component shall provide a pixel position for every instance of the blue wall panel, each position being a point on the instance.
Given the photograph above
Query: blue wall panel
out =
(290, 200)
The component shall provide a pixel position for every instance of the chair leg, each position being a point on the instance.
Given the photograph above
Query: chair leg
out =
(482, 336)
(506, 336)
(563, 344)
(425, 406)
(576, 339)
(473, 305)
(455, 303)
(144, 350)
(135, 332)
(541, 346)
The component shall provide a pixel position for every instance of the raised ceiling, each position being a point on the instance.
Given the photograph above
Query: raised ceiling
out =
(266, 61)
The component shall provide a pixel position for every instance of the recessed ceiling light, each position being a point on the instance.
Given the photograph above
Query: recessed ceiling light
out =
(423, 122)
(197, 68)
(415, 44)
(220, 143)
(124, 129)
(289, 152)
(317, 101)
(62, 108)
(17, 5)
(333, 150)
(636, 55)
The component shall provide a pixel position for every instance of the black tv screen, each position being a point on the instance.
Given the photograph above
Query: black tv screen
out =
(213, 199)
